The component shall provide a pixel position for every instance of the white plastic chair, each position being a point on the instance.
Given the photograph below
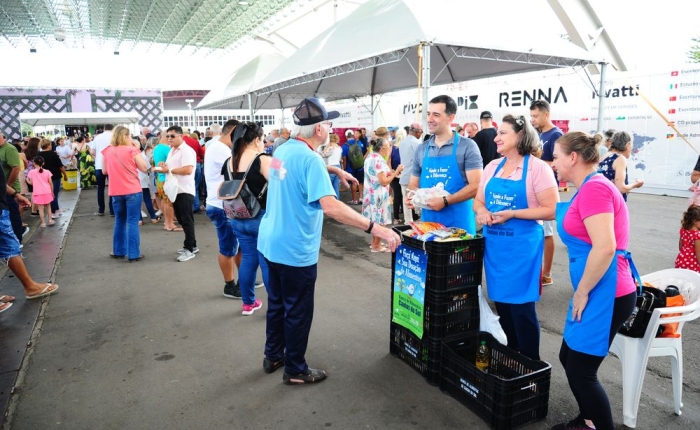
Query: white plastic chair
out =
(634, 353)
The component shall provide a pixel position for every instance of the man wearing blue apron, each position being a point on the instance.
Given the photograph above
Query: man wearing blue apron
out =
(452, 160)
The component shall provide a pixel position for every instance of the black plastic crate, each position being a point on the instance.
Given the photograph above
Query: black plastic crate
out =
(422, 355)
(451, 265)
(451, 314)
(514, 392)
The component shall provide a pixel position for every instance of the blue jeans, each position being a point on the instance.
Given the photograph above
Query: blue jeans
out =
(127, 211)
(56, 188)
(146, 192)
(228, 244)
(101, 182)
(290, 311)
(197, 181)
(246, 231)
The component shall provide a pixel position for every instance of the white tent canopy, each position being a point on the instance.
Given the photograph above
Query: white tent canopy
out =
(375, 50)
(232, 95)
(79, 118)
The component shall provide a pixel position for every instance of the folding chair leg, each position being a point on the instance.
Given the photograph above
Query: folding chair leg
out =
(633, 372)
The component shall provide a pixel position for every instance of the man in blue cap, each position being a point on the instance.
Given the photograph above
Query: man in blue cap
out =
(299, 194)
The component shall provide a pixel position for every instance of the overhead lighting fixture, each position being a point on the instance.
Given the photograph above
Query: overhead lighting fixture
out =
(116, 52)
(32, 50)
(243, 3)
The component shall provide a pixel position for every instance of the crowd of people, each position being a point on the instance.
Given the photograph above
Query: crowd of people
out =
(502, 180)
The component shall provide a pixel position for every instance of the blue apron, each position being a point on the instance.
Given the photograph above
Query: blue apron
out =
(446, 170)
(512, 250)
(592, 334)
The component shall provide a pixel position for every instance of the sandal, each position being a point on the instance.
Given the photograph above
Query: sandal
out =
(309, 377)
(6, 299)
(155, 220)
(42, 225)
(49, 289)
(5, 306)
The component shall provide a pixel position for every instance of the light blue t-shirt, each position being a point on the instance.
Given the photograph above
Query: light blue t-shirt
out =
(160, 153)
(290, 231)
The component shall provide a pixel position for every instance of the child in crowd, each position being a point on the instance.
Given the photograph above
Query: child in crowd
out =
(42, 195)
(689, 242)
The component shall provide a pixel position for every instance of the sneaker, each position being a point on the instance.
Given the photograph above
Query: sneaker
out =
(182, 250)
(259, 284)
(26, 230)
(54, 216)
(159, 212)
(144, 214)
(249, 309)
(577, 423)
(547, 280)
(187, 255)
(309, 377)
(100, 213)
(270, 366)
(233, 291)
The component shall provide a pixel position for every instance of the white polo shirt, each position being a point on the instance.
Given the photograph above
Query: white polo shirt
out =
(181, 156)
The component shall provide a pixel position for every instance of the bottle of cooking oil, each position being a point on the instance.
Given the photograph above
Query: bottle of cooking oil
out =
(483, 357)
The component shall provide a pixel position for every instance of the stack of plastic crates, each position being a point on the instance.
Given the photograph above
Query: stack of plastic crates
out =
(451, 306)
(514, 391)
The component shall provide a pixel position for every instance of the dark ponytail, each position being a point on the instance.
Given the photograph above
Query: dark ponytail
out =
(242, 136)
(39, 161)
(690, 217)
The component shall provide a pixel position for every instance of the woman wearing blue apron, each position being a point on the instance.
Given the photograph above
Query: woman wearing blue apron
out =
(594, 226)
(515, 192)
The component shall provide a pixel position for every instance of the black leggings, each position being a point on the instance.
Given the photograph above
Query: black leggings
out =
(582, 371)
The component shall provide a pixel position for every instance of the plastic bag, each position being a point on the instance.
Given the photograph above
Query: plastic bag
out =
(421, 196)
(170, 186)
(489, 321)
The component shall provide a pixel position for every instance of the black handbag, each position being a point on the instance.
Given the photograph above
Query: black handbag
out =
(238, 201)
(648, 299)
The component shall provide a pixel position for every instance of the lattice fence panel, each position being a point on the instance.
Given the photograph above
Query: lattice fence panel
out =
(12, 106)
(149, 108)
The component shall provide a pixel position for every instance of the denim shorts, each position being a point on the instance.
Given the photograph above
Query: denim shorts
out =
(9, 245)
(228, 244)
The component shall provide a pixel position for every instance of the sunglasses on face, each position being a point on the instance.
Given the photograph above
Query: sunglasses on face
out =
(171, 136)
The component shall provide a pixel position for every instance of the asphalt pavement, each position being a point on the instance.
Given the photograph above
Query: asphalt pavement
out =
(154, 344)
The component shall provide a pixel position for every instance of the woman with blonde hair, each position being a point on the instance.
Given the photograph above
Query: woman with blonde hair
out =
(375, 199)
(122, 159)
(595, 227)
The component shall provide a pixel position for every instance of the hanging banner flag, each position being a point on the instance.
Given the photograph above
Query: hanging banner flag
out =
(409, 288)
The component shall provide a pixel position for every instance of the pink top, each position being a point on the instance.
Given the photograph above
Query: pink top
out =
(539, 177)
(122, 170)
(41, 181)
(686, 257)
(598, 196)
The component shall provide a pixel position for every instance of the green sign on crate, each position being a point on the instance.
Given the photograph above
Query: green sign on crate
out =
(409, 288)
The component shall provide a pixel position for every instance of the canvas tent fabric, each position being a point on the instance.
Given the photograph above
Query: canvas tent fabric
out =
(232, 95)
(369, 53)
(79, 118)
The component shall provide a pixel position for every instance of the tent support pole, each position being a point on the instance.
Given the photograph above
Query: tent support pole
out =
(425, 83)
(601, 96)
(250, 106)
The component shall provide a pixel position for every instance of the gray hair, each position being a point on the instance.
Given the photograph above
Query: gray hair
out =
(152, 141)
(528, 141)
(303, 131)
(215, 128)
(609, 134)
(620, 140)
(378, 145)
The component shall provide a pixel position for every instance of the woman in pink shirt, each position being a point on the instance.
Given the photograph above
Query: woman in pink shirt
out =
(594, 225)
(40, 179)
(515, 193)
(121, 161)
